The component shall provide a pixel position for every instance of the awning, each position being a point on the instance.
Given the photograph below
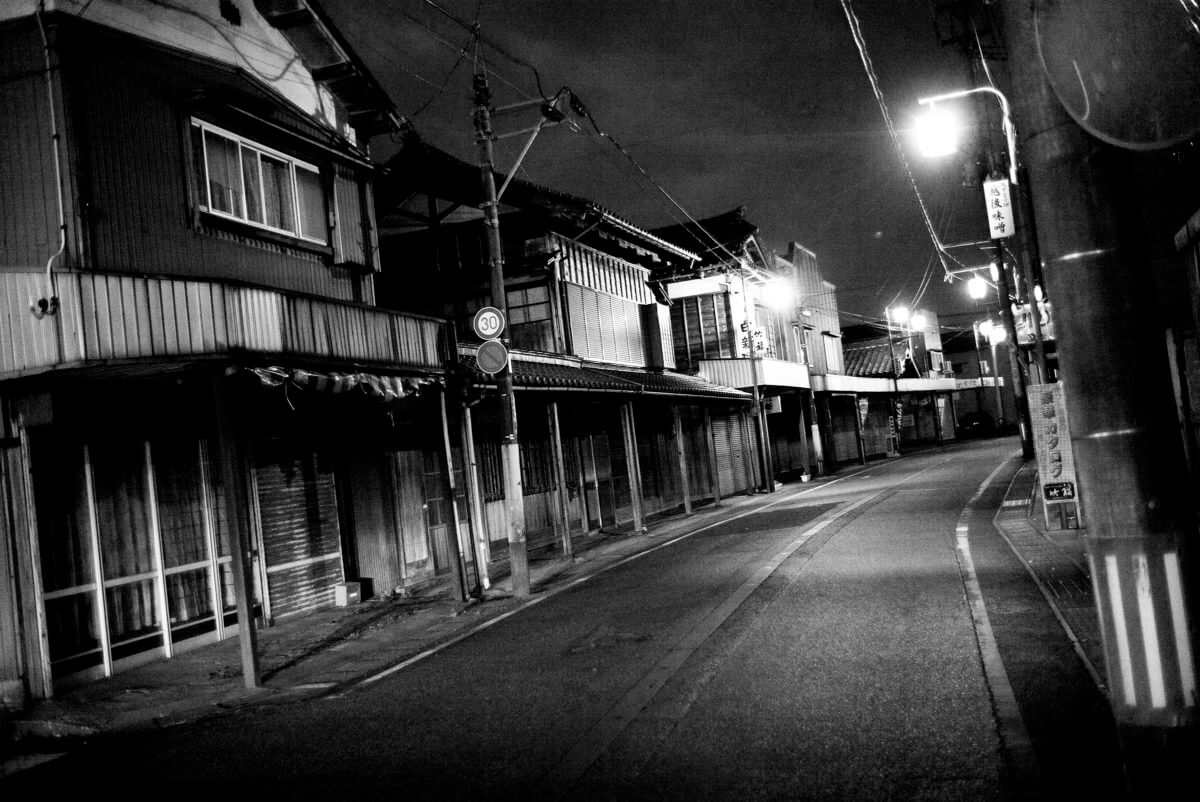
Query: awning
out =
(385, 388)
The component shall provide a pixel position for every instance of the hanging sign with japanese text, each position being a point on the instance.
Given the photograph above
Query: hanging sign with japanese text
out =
(999, 208)
(1052, 442)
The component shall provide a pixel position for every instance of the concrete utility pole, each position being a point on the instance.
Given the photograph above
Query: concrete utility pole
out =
(510, 449)
(1014, 358)
(1130, 459)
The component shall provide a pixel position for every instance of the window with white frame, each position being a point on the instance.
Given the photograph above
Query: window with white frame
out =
(241, 180)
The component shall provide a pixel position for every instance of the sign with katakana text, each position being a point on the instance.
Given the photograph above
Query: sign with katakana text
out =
(1052, 442)
(999, 208)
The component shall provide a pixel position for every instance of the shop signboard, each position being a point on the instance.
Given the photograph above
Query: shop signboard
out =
(1052, 443)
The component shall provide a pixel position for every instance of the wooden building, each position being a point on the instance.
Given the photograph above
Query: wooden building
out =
(610, 433)
(203, 414)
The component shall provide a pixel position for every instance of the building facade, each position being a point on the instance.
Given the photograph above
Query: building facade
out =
(205, 417)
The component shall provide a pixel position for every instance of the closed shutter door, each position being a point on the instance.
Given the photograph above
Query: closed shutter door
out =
(731, 460)
(297, 507)
(947, 415)
(737, 447)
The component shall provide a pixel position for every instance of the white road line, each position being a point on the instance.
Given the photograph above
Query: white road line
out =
(541, 597)
(592, 744)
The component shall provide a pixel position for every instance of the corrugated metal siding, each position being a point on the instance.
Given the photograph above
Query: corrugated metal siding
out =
(348, 235)
(600, 271)
(28, 203)
(131, 133)
(104, 316)
(301, 537)
(604, 327)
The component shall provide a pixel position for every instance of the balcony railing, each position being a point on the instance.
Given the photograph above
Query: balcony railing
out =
(105, 317)
(768, 372)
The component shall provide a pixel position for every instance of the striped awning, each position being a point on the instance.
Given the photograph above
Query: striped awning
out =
(385, 388)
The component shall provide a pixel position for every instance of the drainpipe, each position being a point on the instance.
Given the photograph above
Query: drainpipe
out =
(48, 305)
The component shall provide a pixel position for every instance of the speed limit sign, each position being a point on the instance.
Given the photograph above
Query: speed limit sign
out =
(489, 322)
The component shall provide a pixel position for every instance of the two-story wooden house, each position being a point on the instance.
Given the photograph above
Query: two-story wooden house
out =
(735, 319)
(203, 414)
(610, 433)
(898, 391)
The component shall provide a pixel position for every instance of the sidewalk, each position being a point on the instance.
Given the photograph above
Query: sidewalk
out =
(1057, 561)
(313, 655)
(324, 652)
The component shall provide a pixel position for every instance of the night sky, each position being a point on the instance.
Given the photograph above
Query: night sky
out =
(723, 103)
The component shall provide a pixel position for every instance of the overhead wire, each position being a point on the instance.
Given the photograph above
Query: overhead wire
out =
(577, 107)
(462, 53)
(860, 43)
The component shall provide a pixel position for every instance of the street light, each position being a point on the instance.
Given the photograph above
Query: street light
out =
(1001, 227)
(936, 142)
(994, 335)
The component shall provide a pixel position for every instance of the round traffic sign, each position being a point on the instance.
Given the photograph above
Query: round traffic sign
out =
(489, 322)
(491, 357)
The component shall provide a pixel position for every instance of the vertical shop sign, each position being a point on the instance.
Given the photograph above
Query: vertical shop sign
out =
(1052, 442)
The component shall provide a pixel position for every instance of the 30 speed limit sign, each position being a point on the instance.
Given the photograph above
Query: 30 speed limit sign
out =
(489, 322)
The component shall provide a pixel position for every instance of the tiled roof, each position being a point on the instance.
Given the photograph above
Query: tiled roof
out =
(871, 359)
(566, 376)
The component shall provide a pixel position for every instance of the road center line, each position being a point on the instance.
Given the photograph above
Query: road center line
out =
(592, 744)
(416, 658)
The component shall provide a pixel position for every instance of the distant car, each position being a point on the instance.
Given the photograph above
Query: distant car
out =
(976, 424)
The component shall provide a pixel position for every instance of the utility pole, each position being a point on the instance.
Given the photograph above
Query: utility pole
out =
(1132, 469)
(510, 450)
(1014, 353)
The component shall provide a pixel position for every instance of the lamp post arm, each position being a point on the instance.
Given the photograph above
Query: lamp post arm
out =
(1010, 133)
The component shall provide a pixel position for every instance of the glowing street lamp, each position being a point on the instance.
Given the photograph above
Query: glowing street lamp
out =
(937, 138)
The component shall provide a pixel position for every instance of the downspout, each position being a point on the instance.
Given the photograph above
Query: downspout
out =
(48, 305)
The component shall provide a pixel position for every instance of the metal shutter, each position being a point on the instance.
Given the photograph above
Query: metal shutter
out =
(731, 458)
(298, 519)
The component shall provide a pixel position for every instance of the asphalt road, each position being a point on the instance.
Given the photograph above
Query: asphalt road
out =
(819, 645)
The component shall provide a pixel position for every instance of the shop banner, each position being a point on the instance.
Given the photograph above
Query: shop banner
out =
(1052, 442)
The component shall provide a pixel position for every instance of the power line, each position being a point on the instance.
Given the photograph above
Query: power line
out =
(860, 43)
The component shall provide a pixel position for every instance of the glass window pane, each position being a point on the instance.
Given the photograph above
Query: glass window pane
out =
(224, 182)
(277, 194)
(189, 599)
(133, 615)
(250, 179)
(180, 493)
(60, 495)
(122, 517)
(313, 222)
(538, 294)
(71, 632)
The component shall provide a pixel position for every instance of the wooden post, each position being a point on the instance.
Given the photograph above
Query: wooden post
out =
(681, 454)
(713, 468)
(483, 552)
(634, 465)
(458, 569)
(560, 478)
(232, 467)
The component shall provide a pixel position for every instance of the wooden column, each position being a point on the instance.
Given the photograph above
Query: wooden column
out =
(483, 551)
(681, 455)
(714, 470)
(233, 469)
(458, 571)
(560, 478)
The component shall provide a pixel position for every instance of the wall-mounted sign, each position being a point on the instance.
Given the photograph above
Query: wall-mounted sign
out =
(489, 322)
(999, 208)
